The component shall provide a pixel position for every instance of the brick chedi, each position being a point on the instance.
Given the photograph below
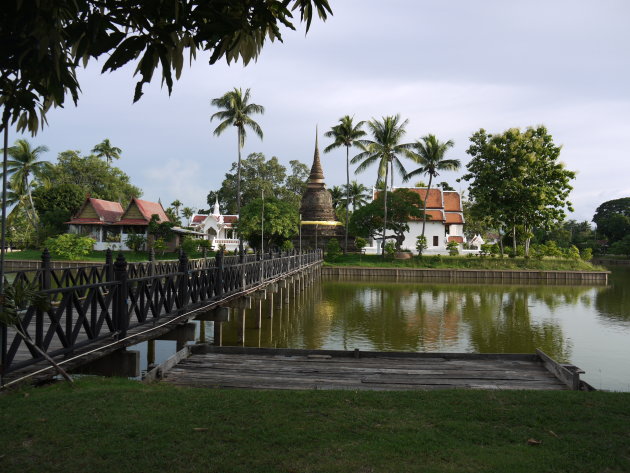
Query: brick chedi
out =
(318, 221)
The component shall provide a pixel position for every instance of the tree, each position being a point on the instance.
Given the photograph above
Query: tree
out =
(516, 179)
(235, 110)
(25, 163)
(160, 231)
(337, 196)
(187, 212)
(57, 37)
(446, 186)
(358, 194)
(55, 205)
(385, 148)
(621, 247)
(367, 221)
(613, 218)
(429, 154)
(176, 204)
(106, 150)
(94, 176)
(346, 133)
(281, 220)
(259, 174)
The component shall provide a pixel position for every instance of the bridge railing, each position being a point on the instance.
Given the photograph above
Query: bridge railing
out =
(104, 302)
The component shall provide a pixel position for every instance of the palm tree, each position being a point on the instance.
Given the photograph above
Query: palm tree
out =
(336, 193)
(187, 212)
(177, 204)
(358, 194)
(235, 110)
(345, 134)
(105, 149)
(429, 153)
(385, 149)
(24, 163)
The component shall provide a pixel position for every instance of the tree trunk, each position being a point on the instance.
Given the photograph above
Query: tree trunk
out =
(514, 239)
(5, 123)
(384, 214)
(238, 190)
(426, 197)
(345, 247)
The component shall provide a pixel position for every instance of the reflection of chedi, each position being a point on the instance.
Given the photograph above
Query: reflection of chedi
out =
(319, 223)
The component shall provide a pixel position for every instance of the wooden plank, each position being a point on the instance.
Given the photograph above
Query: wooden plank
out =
(570, 378)
(157, 372)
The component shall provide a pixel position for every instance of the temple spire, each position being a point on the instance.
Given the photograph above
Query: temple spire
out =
(316, 179)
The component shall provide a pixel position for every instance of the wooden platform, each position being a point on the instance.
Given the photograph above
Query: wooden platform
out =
(259, 368)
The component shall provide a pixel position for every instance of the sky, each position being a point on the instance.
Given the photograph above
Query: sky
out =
(450, 68)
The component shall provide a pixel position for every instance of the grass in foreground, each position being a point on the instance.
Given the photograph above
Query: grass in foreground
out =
(464, 262)
(124, 426)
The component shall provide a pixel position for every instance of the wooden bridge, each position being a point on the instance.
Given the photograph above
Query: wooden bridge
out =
(100, 309)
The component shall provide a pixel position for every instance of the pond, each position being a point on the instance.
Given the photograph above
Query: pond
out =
(588, 326)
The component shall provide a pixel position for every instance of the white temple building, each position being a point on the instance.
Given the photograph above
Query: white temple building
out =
(217, 228)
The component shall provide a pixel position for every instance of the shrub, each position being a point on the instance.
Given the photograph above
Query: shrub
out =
(189, 245)
(159, 246)
(287, 245)
(421, 244)
(586, 254)
(573, 252)
(333, 250)
(390, 249)
(551, 249)
(136, 241)
(360, 243)
(70, 246)
(453, 248)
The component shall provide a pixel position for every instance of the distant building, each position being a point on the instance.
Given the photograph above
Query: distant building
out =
(109, 225)
(446, 222)
(217, 228)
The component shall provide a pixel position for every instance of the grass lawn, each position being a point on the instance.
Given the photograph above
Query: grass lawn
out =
(99, 256)
(465, 262)
(117, 425)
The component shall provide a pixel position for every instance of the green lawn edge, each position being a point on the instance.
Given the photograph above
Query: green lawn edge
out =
(117, 425)
(464, 262)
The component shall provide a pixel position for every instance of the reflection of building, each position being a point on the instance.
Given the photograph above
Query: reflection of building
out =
(217, 228)
(318, 221)
(445, 222)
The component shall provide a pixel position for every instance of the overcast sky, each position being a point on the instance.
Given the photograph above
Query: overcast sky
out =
(449, 67)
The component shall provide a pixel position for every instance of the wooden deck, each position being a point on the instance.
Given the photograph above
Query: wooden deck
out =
(256, 368)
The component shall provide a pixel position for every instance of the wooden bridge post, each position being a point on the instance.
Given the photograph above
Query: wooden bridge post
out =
(44, 284)
(109, 265)
(218, 282)
(151, 261)
(121, 317)
(182, 290)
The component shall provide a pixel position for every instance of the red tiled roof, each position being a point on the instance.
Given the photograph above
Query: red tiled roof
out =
(452, 202)
(230, 218)
(433, 216)
(434, 200)
(199, 218)
(454, 217)
(147, 209)
(109, 211)
(458, 239)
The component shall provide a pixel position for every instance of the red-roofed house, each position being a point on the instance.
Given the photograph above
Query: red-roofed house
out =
(217, 228)
(108, 224)
(446, 222)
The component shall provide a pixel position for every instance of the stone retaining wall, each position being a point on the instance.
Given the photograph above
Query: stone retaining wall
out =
(504, 275)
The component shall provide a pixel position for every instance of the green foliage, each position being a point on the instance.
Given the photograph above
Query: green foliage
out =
(60, 37)
(621, 247)
(606, 211)
(159, 246)
(360, 243)
(189, 245)
(135, 241)
(389, 250)
(516, 178)
(287, 245)
(257, 175)
(281, 222)
(93, 176)
(421, 244)
(453, 248)
(586, 254)
(163, 230)
(333, 249)
(70, 246)
(573, 252)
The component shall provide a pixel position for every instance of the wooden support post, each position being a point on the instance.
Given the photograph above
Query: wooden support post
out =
(243, 327)
(109, 265)
(218, 281)
(151, 270)
(271, 305)
(150, 354)
(258, 319)
(182, 289)
(121, 316)
(218, 334)
(202, 331)
(44, 284)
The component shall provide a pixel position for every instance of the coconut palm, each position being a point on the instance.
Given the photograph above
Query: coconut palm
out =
(336, 193)
(177, 204)
(187, 212)
(235, 110)
(385, 149)
(358, 194)
(345, 134)
(106, 150)
(429, 154)
(25, 163)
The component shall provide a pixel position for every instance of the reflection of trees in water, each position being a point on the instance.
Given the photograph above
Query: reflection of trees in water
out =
(613, 302)
(500, 322)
